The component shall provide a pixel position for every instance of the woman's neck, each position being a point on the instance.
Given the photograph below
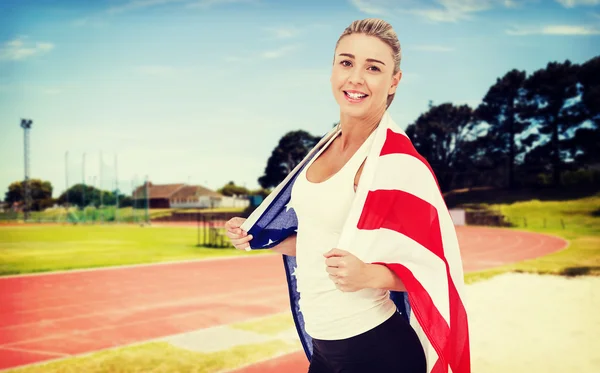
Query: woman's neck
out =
(355, 130)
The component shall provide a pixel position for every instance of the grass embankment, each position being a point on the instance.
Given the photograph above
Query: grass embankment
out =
(106, 214)
(162, 357)
(27, 249)
(576, 220)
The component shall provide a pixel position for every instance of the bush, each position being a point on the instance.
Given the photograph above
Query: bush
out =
(580, 178)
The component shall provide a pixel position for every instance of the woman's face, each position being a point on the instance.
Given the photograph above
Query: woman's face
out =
(362, 75)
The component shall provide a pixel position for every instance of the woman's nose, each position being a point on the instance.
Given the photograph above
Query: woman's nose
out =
(356, 77)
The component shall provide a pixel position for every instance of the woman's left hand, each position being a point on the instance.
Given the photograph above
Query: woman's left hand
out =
(347, 271)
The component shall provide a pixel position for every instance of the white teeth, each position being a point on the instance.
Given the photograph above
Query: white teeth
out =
(355, 95)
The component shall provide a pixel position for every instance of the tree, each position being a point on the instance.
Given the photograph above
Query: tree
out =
(261, 192)
(41, 193)
(439, 135)
(85, 195)
(589, 78)
(231, 189)
(290, 151)
(549, 94)
(585, 143)
(500, 109)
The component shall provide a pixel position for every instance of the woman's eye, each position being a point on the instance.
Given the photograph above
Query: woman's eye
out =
(345, 63)
(375, 68)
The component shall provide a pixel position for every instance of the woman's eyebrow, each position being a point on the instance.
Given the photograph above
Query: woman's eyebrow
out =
(368, 59)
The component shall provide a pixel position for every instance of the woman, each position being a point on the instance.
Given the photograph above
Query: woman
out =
(374, 272)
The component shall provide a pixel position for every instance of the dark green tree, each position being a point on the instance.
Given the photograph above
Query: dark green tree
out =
(500, 109)
(87, 195)
(589, 78)
(290, 151)
(440, 134)
(585, 144)
(550, 92)
(41, 193)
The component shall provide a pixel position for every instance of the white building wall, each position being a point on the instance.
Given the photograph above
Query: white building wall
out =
(198, 203)
(234, 202)
(208, 202)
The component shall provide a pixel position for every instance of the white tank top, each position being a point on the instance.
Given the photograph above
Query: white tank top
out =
(322, 209)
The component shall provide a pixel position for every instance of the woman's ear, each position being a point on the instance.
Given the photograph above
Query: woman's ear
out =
(395, 80)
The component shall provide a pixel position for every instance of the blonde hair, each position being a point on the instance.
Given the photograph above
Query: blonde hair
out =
(384, 32)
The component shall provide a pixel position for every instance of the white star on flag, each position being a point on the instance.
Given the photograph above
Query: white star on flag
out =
(289, 205)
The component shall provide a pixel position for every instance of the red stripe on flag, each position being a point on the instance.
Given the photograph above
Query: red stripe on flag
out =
(397, 143)
(405, 213)
(437, 331)
(439, 367)
(459, 331)
(418, 220)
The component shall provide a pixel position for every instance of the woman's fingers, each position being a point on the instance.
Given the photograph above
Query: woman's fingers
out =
(234, 223)
(238, 237)
(236, 234)
(241, 243)
(242, 240)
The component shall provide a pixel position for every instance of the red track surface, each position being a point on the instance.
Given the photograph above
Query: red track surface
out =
(56, 315)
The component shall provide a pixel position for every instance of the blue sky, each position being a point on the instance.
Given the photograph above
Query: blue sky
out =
(200, 91)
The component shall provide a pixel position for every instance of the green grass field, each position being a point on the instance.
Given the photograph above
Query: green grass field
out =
(581, 219)
(162, 357)
(27, 249)
(106, 214)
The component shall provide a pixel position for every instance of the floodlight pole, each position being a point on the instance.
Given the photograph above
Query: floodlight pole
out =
(26, 125)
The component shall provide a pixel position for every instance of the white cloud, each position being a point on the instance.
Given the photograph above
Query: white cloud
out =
(439, 11)
(99, 20)
(91, 21)
(432, 48)
(264, 55)
(233, 59)
(18, 50)
(511, 4)
(210, 3)
(575, 3)
(454, 10)
(52, 91)
(567, 30)
(373, 7)
(36, 89)
(283, 32)
(156, 70)
(277, 53)
(139, 4)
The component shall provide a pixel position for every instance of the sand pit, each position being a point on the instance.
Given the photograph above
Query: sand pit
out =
(535, 323)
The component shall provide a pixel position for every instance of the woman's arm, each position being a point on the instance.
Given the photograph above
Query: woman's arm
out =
(351, 274)
(287, 246)
(379, 276)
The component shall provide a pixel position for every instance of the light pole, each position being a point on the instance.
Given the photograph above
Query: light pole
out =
(26, 125)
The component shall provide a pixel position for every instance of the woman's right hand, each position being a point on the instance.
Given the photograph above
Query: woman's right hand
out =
(238, 237)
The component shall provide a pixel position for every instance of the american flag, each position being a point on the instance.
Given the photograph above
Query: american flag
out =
(398, 219)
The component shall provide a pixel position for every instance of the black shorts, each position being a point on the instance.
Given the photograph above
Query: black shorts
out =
(392, 346)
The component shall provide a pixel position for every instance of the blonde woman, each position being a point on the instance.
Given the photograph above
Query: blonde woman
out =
(370, 252)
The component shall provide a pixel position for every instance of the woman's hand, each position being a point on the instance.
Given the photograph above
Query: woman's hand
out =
(352, 274)
(347, 271)
(238, 237)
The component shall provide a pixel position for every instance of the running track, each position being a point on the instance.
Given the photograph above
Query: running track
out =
(58, 315)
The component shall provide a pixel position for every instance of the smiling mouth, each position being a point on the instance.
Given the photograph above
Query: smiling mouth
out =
(355, 95)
